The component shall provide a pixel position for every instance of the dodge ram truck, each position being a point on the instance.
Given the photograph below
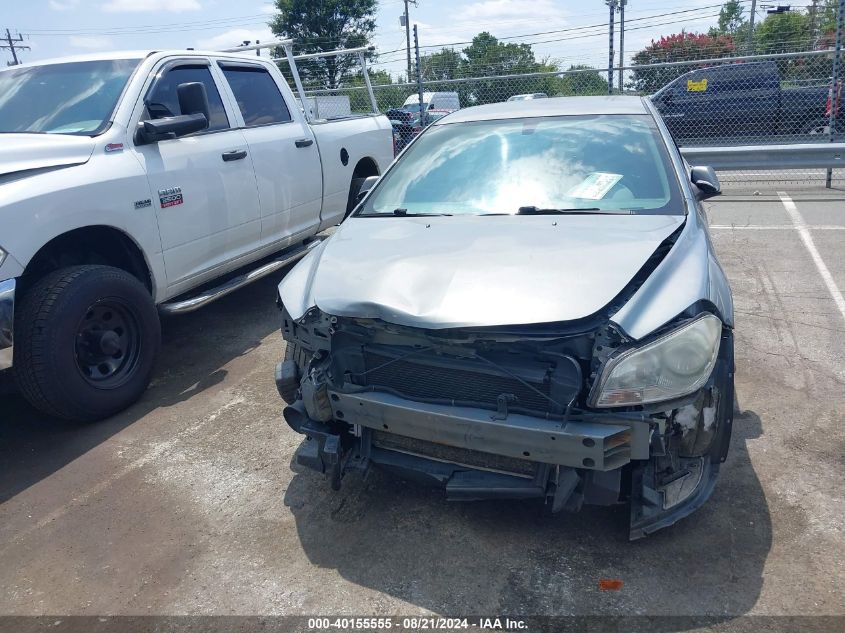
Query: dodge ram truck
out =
(145, 182)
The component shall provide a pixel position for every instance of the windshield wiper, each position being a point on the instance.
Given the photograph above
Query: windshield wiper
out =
(404, 212)
(582, 210)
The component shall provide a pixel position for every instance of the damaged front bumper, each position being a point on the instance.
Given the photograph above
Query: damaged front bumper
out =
(664, 460)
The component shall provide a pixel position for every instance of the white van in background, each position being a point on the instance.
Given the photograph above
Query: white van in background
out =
(433, 101)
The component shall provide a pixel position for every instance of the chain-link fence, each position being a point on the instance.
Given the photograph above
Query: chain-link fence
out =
(779, 98)
(713, 96)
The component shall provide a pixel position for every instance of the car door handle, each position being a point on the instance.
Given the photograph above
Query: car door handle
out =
(235, 154)
(304, 142)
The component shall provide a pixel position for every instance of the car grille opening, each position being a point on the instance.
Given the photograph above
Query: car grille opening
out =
(429, 378)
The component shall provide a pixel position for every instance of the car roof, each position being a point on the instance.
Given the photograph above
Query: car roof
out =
(555, 106)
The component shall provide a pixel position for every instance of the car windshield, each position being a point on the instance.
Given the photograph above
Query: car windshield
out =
(601, 163)
(69, 98)
(414, 107)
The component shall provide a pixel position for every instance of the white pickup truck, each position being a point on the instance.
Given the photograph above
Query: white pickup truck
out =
(134, 183)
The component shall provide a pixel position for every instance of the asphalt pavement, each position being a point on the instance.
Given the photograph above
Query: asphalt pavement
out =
(188, 503)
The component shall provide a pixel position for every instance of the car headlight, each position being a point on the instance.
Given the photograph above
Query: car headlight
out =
(672, 366)
(2, 256)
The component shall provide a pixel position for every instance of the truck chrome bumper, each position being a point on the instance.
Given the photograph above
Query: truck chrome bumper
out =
(7, 321)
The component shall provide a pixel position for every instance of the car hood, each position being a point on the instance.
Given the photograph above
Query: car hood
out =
(462, 271)
(22, 152)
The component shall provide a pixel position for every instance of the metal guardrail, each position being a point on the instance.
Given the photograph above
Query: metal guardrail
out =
(768, 157)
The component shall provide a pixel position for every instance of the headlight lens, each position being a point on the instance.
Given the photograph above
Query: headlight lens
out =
(670, 367)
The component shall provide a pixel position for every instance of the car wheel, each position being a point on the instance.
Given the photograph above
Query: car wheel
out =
(86, 341)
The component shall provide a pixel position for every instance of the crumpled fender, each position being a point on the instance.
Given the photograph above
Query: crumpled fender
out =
(689, 274)
(295, 290)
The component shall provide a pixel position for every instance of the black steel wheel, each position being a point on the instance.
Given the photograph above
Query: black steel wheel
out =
(108, 343)
(86, 340)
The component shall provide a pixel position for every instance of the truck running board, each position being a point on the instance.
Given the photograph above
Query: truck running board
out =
(189, 304)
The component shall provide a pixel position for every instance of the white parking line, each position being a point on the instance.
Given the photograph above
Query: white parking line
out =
(774, 227)
(804, 232)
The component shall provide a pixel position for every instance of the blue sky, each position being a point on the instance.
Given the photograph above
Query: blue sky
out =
(64, 27)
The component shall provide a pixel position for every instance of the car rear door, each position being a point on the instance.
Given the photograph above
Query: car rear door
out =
(203, 184)
(284, 154)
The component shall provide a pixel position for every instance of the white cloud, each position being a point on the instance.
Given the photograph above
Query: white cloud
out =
(63, 5)
(90, 42)
(137, 6)
(235, 37)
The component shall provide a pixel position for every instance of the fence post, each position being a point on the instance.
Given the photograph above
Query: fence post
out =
(423, 113)
(834, 81)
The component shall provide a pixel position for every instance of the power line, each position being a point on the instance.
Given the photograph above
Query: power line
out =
(12, 45)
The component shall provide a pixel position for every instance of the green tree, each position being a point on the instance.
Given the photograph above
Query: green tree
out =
(731, 17)
(324, 26)
(783, 33)
(486, 57)
(586, 81)
(445, 64)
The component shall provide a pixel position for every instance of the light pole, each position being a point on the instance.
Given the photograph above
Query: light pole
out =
(612, 4)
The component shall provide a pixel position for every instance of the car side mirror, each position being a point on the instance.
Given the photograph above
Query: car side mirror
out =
(707, 182)
(369, 183)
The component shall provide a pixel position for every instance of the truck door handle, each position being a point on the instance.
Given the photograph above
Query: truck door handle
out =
(304, 142)
(235, 154)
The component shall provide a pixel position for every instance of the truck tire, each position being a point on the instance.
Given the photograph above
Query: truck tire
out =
(86, 341)
(352, 201)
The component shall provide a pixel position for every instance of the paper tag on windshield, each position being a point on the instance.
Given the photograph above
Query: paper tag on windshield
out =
(595, 186)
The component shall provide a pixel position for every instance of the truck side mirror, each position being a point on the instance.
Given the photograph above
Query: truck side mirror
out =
(169, 127)
(194, 108)
(193, 99)
(707, 182)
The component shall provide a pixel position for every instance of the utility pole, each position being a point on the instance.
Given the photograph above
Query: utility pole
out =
(612, 4)
(423, 112)
(12, 44)
(405, 21)
(622, 4)
(751, 27)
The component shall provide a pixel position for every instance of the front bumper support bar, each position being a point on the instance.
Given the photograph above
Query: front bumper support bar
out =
(600, 445)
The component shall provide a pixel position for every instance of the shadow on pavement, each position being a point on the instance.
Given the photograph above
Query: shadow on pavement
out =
(510, 558)
(195, 348)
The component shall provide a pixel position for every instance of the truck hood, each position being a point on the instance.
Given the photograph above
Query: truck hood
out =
(462, 271)
(22, 152)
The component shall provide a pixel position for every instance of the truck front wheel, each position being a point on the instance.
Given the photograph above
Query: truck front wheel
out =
(86, 340)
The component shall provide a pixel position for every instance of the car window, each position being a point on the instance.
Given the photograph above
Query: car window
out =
(613, 163)
(163, 101)
(257, 94)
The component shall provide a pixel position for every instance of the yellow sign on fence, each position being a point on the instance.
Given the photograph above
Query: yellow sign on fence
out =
(697, 86)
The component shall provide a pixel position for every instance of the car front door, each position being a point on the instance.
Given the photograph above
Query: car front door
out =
(203, 185)
(283, 152)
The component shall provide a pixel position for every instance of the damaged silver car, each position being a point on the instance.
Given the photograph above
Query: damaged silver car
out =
(526, 304)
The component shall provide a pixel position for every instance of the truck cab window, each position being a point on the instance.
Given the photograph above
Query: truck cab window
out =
(257, 94)
(163, 101)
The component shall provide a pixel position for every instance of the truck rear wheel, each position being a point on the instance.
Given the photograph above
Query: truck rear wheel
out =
(86, 341)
